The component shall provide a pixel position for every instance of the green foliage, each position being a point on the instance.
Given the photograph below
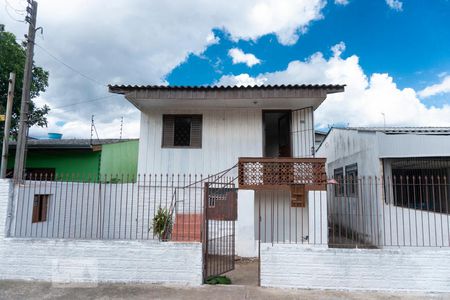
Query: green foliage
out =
(218, 280)
(12, 59)
(162, 224)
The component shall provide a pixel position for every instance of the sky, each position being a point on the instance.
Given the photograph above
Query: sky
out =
(392, 55)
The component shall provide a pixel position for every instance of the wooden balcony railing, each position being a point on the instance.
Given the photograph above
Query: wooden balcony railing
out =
(281, 173)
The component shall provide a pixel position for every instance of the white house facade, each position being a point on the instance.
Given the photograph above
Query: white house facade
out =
(228, 124)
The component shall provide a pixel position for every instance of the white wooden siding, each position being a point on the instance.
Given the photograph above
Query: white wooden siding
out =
(227, 135)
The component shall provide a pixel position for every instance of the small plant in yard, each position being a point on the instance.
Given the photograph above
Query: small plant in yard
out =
(162, 224)
(218, 280)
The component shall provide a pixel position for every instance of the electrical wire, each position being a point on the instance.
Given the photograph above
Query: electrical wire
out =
(18, 11)
(68, 66)
(86, 101)
(11, 16)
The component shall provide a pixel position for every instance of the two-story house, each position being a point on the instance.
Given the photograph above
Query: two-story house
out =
(265, 132)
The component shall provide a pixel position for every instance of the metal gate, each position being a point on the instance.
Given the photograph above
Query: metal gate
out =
(220, 211)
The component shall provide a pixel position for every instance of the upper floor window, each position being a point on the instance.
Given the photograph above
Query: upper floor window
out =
(184, 131)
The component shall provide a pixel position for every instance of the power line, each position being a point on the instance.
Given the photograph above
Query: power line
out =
(86, 101)
(18, 11)
(11, 16)
(69, 67)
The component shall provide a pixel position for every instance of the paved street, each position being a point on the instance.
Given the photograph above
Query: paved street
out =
(34, 290)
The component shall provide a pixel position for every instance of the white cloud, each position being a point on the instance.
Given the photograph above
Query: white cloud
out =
(211, 39)
(239, 56)
(364, 99)
(395, 4)
(140, 41)
(241, 80)
(436, 89)
(341, 2)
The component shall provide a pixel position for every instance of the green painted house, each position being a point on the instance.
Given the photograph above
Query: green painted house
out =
(81, 159)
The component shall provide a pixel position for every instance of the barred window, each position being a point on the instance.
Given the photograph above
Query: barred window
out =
(351, 180)
(182, 131)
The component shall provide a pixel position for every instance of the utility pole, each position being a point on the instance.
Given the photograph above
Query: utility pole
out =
(9, 105)
(19, 164)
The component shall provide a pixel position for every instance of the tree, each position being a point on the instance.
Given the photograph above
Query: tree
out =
(12, 59)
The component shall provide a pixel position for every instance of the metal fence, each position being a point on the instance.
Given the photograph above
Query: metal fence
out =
(398, 211)
(280, 222)
(367, 212)
(78, 207)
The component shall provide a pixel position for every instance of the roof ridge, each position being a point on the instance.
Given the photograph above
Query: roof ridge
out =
(255, 86)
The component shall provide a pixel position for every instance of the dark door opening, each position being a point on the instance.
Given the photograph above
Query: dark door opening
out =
(277, 133)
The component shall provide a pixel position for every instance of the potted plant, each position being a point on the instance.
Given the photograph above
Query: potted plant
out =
(162, 224)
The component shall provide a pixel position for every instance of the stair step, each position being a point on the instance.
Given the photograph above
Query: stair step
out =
(186, 239)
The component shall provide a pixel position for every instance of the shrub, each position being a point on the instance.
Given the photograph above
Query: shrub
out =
(162, 224)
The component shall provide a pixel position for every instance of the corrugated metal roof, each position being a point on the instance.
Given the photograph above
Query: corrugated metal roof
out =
(122, 88)
(404, 130)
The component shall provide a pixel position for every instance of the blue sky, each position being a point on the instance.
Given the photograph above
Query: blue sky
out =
(412, 45)
(393, 55)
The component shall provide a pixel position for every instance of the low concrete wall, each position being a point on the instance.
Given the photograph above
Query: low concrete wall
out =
(102, 261)
(64, 260)
(406, 269)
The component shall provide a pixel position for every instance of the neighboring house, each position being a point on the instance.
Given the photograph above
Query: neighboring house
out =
(80, 158)
(319, 137)
(400, 173)
(387, 152)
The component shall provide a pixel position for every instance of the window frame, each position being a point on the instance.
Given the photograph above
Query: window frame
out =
(420, 189)
(353, 168)
(339, 190)
(40, 211)
(196, 135)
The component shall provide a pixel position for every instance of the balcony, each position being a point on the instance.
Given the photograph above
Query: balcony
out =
(281, 173)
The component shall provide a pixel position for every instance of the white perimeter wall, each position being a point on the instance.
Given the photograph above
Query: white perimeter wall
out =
(406, 269)
(88, 260)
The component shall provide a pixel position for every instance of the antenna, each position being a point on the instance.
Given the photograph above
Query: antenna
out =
(384, 118)
(92, 128)
(121, 127)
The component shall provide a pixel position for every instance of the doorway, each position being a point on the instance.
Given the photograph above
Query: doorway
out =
(277, 133)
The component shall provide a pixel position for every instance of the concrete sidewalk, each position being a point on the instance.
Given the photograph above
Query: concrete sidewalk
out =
(44, 290)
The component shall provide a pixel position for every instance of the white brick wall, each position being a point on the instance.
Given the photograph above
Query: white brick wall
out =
(110, 261)
(406, 269)
(114, 261)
